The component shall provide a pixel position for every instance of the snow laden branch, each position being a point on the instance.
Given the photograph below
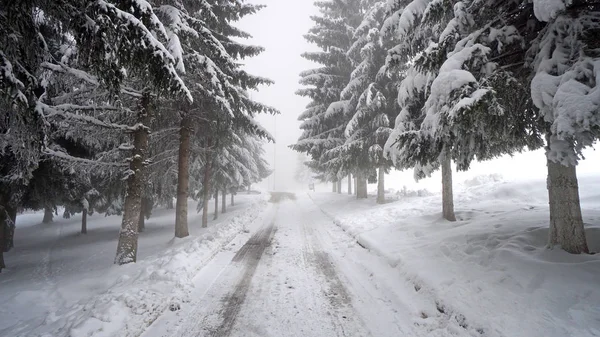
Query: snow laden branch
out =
(65, 111)
(90, 162)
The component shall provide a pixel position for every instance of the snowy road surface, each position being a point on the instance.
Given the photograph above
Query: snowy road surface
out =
(301, 275)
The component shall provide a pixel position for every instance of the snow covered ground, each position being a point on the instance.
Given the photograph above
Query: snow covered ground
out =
(489, 270)
(320, 264)
(62, 283)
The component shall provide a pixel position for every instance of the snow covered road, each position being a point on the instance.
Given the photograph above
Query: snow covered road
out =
(300, 275)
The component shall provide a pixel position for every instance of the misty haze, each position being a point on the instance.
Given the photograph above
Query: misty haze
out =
(310, 168)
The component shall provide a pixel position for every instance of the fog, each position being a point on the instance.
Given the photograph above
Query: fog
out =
(279, 28)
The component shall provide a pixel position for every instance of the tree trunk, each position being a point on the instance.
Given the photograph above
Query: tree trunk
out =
(3, 225)
(381, 186)
(224, 201)
(84, 221)
(447, 195)
(48, 215)
(232, 194)
(128, 236)
(183, 179)
(339, 186)
(355, 186)
(142, 221)
(216, 215)
(361, 187)
(170, 203)
(350, 184)
(206, 186)
(333, 187)
(12, 214)
(9, 234)
(566, 223)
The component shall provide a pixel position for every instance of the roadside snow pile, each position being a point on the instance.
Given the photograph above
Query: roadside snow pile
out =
(490, 270)
(79, 291)
(148, 288)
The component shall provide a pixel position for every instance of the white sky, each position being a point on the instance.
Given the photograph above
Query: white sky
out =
(280, 28)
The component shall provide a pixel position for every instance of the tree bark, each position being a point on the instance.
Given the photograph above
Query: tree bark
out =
(84, 221)
(355, 186)
(206, 185)
(12, 214)
(9, 234)
(216, 215)
(3, 225)
(339, 186)
(447, 195)
(128, 236)
(381, 186)
(350, 184)
(183, 179)
(142, 221)
(224, 201)
(334, 187)
(232, 194)
(566, 223)
(48, 215)
(361, 187)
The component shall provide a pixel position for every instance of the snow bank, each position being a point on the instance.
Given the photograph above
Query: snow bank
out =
(74, 290)
(490, 270)
(145, 290)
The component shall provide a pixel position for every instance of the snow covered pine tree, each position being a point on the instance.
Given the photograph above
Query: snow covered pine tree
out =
(565, 88)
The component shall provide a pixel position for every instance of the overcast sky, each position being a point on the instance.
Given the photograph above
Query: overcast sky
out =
(280, 28)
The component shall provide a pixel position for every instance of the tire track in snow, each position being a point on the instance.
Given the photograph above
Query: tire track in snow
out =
(335, 291)
(293, 292)
(249, 255)
(435, 317)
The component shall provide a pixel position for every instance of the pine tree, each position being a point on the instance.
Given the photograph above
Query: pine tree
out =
(408, 26)
(211, 57)
(325, 118)
(111, 42)
(371, 94)
(462, 117)
(564, 88)
(83, 84)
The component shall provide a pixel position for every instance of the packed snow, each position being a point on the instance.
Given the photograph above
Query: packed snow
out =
(392, 269)
(63, 283)
(490, 270)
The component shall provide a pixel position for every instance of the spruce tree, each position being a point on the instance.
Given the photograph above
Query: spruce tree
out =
(564, 58)
(371, 94)
(461, 116)
(325, 118)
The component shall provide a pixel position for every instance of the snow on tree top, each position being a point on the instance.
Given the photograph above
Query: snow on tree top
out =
(546, 10)
(402, 21)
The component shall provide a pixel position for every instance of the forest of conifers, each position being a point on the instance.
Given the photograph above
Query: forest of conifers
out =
(116, 107)
(119, 106)
(422, 84)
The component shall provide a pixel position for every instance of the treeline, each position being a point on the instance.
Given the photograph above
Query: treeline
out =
(419, 84)
(117, 106)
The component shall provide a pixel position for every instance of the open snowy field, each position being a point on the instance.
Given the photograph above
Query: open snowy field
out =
(63, 283)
